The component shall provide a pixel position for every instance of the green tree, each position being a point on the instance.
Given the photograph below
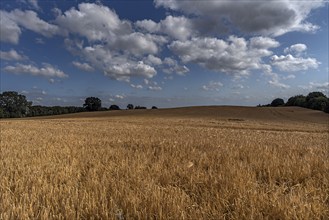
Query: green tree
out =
(140, 107)
(326, 109)
(319, 103)
(1, 113)
(130, 106)
(312, 97)
(92, 104)
(277, 102)
(14, 105)
(298, 100)
(114, 107)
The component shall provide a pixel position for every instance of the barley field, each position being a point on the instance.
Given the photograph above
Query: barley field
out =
(187, 163)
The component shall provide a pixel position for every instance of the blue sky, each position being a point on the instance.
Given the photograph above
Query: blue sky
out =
(166, 53)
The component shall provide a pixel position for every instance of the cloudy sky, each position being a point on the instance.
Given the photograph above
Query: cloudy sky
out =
(164, 52)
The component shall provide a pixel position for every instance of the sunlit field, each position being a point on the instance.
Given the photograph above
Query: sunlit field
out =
(193, 163)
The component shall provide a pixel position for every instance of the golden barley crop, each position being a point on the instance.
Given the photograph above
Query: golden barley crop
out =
(163, 166)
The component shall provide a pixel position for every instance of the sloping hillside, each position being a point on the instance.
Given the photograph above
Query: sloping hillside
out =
(278, 114)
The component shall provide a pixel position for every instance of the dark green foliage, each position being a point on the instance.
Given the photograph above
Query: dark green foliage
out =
(154, 107)
(2, 113)
(298, 100)
(318, 103)
(114, 107)
(73, 109)
(130, 106)
(140, 107)
(326, 109)
(39, 110)
(92, 104)
(14, 105)
(313, 95)
(314, 100)
(277, 102)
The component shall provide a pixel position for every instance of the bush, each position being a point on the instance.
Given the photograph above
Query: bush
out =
(298, 100)
(311, 98)
(154, 107)
(326, 109)
(318, 103)
(114, 107)
(2, 115)
(277, 102)
(140, 107)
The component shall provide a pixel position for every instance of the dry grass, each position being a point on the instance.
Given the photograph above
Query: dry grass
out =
(163, 168)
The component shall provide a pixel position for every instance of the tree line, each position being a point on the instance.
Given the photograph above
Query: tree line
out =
(314, 100)
(15, 105)
(95, 104)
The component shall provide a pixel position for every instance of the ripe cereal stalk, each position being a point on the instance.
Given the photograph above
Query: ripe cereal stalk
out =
(161, 167)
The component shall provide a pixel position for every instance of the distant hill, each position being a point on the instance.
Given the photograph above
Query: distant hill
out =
(234, 113)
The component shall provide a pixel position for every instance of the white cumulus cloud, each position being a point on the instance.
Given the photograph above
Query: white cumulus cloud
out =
(155, 88)
(96, 22)
(235, 56)
(113, 64)
(180, 28)
(11, 23)
(296, 49)
(136, 86)
(136, 43)
(123, 71)
(113, 46)
(12, 55)
(212, 86)
(9, 30)
(83, 66)
(119, 96)
(152, 85)
(34, 4)
(262, 17)
(31, 21)
(278, 84)
(46, 70)
(171, 66)
(289, 63)
(322, 86)
(152, 60)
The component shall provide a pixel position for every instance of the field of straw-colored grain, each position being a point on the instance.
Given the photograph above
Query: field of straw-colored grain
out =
(154, 167)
